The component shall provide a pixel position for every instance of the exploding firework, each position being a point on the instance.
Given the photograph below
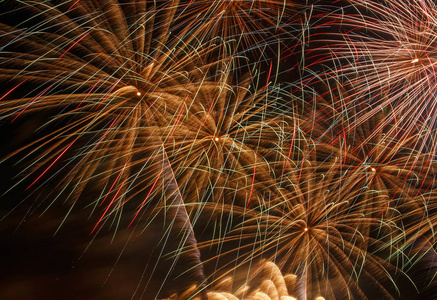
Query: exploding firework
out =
(100, 73)
(100, 79)
(392, 164)
(386, 58)
(318, 230)
(143, 107)
(265, 281)
(378, 155)
(223, 148)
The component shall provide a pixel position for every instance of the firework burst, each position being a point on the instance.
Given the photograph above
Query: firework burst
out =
(265, 282)
(224, 145)
(164, 111)
(377, 155)
(100, 72)
(389, 156)
(318, 230)
(387, 59)
(103, 83)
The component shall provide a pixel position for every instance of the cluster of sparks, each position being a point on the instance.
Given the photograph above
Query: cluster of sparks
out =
(271, 284)
(182, 109)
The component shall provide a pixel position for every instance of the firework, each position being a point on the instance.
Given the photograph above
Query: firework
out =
(344, 193)
(392, 164)
(100, 73)
(385, 58)
(162, 112)
(315, 230)
(100, 84)
(223, 148)
(377, 155)
(266, 282)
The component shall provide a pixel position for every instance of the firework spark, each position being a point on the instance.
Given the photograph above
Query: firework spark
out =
(266, 282)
